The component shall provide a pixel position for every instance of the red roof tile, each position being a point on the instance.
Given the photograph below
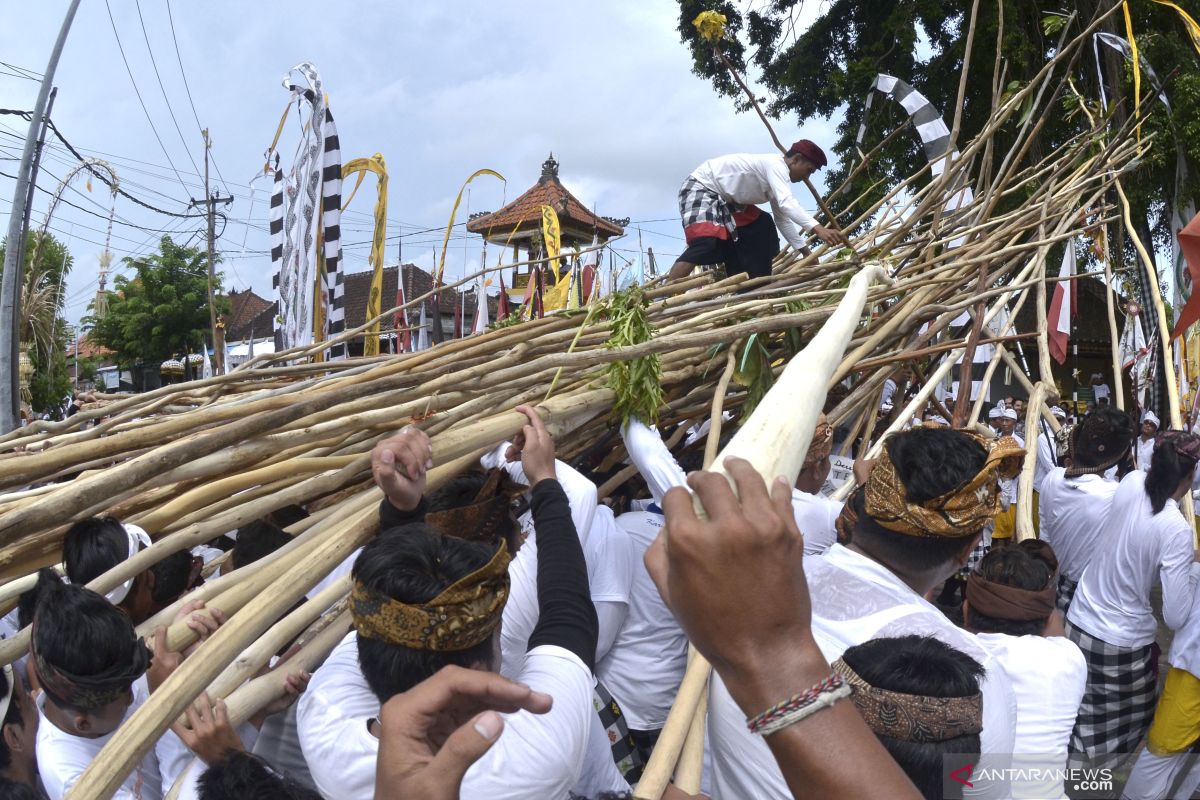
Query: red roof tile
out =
(548, 191)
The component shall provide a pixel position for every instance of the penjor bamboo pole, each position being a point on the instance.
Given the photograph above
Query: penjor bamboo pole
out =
(1024, 523)
(775, 440)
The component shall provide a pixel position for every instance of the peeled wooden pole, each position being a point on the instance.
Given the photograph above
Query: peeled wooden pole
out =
(138, 733)
(246, 701)
(775, 441)
(1024, 523)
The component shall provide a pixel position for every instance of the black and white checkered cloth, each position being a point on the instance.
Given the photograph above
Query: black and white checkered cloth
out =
(612, 719)
(698, 204)
(1066, 593)
(1118, 702)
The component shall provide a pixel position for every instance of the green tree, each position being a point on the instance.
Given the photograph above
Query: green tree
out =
(43, 331)
(828, 69)
(161, 311)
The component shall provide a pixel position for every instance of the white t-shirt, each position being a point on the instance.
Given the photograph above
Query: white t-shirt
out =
(645, 665)
(1049, 675)
(1145, 453)
(63, 757)
(1112, 602)
(1101, 391)
(816, 517)
(610, 557)
(536, 755)
(855, 599)
(1072, 517)
(1185, 647)
(1045, 457)
(750, 180)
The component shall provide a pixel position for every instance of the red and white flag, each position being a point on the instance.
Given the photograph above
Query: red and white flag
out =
(400, 320)
(1063, 306)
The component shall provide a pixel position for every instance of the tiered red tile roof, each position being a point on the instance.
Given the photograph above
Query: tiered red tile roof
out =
(548, 191)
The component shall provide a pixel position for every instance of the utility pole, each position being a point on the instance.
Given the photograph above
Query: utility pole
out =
(10, 283)
(210, 201)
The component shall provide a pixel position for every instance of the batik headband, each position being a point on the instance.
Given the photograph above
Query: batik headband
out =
(460, 617)
(479, 521)
(958, 513)
(912, 717)
(138, 538)
(90, 692)
(1187, 444)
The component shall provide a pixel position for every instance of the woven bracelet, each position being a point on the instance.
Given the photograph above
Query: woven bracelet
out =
(797, 707)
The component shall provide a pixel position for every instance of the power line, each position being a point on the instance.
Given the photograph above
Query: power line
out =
(58, 134)
(138, 92)
(188, 89)
(116, 219)
(154, 63)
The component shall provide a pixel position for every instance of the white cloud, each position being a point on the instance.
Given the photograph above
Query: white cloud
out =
(439, 89)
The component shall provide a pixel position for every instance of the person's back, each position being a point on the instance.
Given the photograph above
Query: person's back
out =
(1073, 515)
(1010, 606)
(645, 664)
(858, 594)
(1111, 618)
(1113, 599)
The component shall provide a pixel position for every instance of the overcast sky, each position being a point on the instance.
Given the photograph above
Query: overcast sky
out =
(440, 89)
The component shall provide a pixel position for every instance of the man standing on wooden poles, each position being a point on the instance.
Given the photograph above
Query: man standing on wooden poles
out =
(722, 223)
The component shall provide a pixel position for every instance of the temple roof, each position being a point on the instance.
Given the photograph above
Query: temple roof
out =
(548, 191)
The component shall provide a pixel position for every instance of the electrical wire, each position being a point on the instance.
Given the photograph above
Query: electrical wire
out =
(138, 92)
(187, 88)
(154, 63)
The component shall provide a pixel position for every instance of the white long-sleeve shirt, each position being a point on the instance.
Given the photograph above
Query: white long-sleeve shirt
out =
(855, 599)
(1072, 517)
(1145, 453)
(522, 610)
(749, 180)
(1112, 602)
(1045, 457)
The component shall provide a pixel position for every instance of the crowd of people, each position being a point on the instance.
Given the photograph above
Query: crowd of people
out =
(517, 636)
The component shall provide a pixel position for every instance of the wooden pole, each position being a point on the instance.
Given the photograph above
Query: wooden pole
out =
(1024, 522)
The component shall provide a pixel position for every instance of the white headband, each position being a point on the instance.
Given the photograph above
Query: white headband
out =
(1011, 413)
(137, 539)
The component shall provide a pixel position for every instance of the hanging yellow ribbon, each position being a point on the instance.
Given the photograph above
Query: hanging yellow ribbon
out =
(1137, 70)
(453, 211)
(553, 236)
(1193, 28)
(362, 166)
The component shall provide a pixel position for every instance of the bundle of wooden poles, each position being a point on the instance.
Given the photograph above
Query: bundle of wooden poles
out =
(193, 461)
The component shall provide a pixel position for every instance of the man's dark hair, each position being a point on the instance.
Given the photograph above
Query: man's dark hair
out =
(12, 790)
(287, 516)
(414, 564)
(11, 717)
(240, 775)
(92, 547)
(930, 463)
(171, 576)
(259, 538)
(925, 666)
(80, 632)
(1100, 437)
(1168, 467)
(1017, 567)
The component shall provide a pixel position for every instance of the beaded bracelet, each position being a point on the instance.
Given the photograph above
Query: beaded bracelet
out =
(799, 706)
